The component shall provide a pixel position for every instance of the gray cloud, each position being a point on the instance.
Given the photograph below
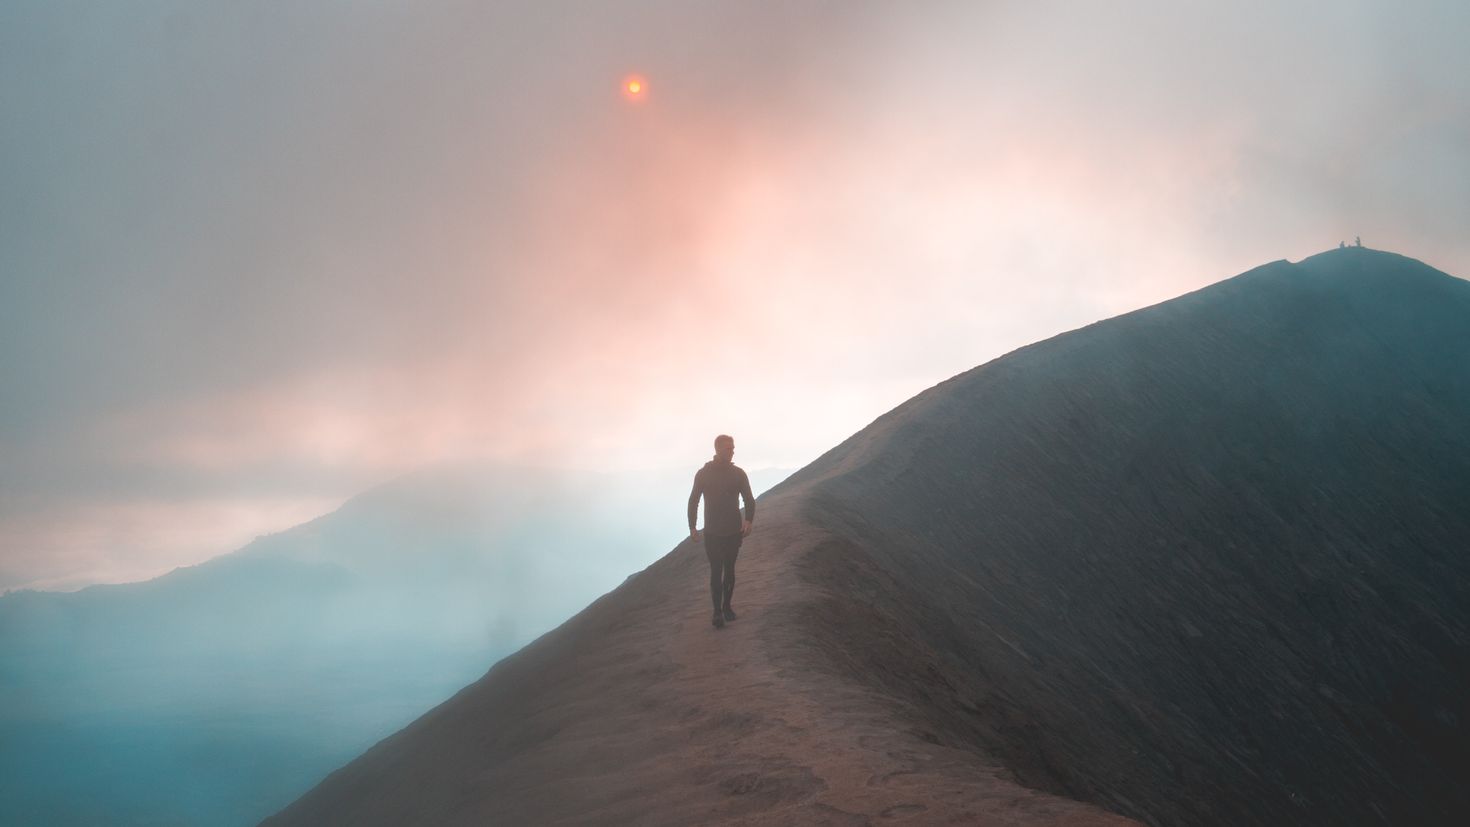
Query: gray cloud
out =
(266, 253)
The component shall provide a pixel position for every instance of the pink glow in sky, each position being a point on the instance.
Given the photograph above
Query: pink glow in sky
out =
(254, 262)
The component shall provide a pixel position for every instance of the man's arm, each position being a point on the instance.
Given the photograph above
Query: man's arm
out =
(694, 506)
(749, 503)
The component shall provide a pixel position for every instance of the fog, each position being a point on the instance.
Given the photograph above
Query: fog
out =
(254, 260)
(218, 693)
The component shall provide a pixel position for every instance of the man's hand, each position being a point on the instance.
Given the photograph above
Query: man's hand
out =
(693, 536)
(745, 528)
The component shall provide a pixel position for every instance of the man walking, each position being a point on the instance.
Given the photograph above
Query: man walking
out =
(722, 483)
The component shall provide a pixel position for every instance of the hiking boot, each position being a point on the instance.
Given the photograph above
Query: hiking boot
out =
(729, 613)
(719, 619)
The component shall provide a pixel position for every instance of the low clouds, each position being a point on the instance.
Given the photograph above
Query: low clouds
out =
(256, 256)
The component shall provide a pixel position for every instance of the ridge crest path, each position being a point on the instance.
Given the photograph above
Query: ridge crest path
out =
(639, 711)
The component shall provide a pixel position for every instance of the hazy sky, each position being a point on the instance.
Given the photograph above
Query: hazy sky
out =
(255, 257)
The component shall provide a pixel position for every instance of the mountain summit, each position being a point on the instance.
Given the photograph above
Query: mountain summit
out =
(1201, 563)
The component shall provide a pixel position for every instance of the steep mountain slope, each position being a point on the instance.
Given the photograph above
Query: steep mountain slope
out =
(1203, 563)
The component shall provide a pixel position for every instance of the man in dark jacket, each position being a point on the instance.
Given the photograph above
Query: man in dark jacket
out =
(722, 483)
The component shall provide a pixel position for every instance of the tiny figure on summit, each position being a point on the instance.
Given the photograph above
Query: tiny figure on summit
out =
(723, 484)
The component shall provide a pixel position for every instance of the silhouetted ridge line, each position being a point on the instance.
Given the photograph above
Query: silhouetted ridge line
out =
(1201, 563)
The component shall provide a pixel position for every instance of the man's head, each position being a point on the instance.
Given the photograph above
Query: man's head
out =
(725, 447)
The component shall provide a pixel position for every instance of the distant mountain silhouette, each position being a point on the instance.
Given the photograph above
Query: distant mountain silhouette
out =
(1201, 563)
(217, 693)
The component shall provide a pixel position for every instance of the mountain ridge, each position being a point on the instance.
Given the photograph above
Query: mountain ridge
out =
(1194, 564)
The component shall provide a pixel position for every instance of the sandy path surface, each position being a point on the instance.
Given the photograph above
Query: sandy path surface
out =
(639, 711)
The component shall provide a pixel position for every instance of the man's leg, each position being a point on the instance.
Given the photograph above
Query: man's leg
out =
(729, 575)
(715, 554)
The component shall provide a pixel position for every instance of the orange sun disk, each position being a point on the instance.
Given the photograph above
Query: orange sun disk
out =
(634, 87)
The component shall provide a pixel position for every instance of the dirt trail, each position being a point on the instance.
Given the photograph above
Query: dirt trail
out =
(639, 711)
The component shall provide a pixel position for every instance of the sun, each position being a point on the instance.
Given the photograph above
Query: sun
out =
(635, 88)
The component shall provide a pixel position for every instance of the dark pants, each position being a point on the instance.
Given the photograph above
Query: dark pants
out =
(721, 552)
